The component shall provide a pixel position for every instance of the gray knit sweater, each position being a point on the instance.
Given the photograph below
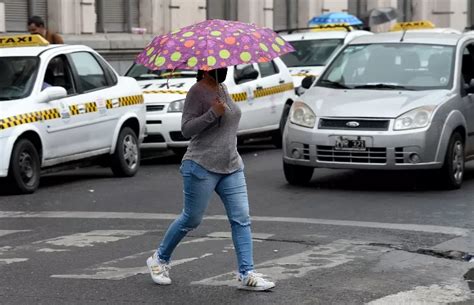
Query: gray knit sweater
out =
(213, 142)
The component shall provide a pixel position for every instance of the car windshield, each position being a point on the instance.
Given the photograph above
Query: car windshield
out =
(17, 77)
(311, 52)
(393, 66)
(140, 72)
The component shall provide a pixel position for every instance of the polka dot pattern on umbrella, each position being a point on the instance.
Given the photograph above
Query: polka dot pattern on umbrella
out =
(213, 44)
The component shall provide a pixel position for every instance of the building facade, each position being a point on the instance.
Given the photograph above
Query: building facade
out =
(119, 29)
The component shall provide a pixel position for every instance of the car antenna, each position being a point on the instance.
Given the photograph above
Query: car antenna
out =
(403, 35)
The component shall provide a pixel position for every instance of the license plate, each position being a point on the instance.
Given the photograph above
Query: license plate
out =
(343, 143)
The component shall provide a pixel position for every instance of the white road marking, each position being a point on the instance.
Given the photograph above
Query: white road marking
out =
(298, 265)
(49, 250)
(8, 261)
(108, 272)
(88, 239)
(347, 223)
(434, 294)
(8, 232)
(257, 237)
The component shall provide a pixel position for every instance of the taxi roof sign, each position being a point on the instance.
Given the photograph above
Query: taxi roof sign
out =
(331, 27)
(22, 41)
(413, 25)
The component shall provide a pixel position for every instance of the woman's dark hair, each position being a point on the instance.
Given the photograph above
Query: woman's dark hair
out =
(36, 20)
(199, 75)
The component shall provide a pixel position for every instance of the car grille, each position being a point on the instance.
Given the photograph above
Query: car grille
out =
(306, 152)
(154, 138)
(373, 155)
(399, 155)
(177, 136)
(151, 108)
(363, 124)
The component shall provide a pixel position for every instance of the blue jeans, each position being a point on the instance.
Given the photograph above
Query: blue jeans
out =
(199, 185)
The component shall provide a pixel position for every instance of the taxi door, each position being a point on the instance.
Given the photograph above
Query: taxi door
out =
(242, 85)
(97, 86)
(67, 135)
(269, 94)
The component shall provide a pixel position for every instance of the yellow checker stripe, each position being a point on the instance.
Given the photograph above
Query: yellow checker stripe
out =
(30, 117)
(88, 108)
(239, 97)
(165, 91)
(131, 100)
(273, 90)
(51, 114)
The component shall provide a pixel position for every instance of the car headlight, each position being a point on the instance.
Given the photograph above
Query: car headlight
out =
(176, 106)
(416, 118)
(301, 114)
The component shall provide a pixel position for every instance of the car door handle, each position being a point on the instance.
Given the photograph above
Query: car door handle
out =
(281, 81)
(259, 87)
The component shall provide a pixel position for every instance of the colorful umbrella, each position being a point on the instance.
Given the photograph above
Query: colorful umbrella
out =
(335, 18)
(213, 44)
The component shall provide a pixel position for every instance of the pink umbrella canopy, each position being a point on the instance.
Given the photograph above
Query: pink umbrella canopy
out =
(213, 44)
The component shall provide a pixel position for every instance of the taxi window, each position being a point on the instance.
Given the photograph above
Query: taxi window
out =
(90, 73)
(315, 52)
(140, 72)
(17, 77)
(268, 68)
(59, 74)
(391, 66)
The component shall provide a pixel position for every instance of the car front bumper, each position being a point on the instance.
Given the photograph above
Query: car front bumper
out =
(387, 150)
(164, 131)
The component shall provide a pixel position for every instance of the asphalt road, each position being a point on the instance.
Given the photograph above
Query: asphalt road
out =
(350, 237)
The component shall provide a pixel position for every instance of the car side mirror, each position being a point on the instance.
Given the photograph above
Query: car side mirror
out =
(51, 93)
(246, 74)
(308, 81)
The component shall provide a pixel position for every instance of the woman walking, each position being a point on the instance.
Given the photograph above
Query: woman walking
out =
(211, 163)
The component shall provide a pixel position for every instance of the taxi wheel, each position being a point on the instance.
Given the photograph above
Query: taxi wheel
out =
(277, 137)
(126, 158)
(296, 174)
(25, 169)
(453, 168)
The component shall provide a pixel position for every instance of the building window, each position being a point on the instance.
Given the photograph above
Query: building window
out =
(117, 16)
(18, 11)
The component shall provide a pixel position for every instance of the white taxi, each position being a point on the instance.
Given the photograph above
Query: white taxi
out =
(60, 104)
(314, 47)
(264, 92)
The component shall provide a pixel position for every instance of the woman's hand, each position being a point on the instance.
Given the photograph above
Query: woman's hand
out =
(218, 107)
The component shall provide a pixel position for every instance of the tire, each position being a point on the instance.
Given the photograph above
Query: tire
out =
(125, 161)
(452, 172)
(179, 151)
(25, 169)
(277, 136)
(297, 174)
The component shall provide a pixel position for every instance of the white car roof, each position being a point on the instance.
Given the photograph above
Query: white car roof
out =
(410, 37)
(35, 51)
(324, 35)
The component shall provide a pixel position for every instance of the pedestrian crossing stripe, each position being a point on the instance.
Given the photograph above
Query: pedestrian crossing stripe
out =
(76, 109)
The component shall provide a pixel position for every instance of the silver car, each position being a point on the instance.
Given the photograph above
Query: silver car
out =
(393, 101)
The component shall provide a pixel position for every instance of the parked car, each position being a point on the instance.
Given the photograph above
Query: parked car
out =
(264, 92)
(392, 101)
(61, 104)
(314, 47)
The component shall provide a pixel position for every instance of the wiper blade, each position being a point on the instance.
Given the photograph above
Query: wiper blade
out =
(333, 84)
(381, 86)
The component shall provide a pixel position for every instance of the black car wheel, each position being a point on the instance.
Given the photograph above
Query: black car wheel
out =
(25, 168)
(126, 159)
(297, 174)
(453, 168)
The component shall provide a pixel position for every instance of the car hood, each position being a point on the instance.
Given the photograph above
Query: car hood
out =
(166, 91)
(327, 102)
(298, 73)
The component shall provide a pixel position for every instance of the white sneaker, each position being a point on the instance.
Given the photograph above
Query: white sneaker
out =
(159, 271)
(255, 282)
